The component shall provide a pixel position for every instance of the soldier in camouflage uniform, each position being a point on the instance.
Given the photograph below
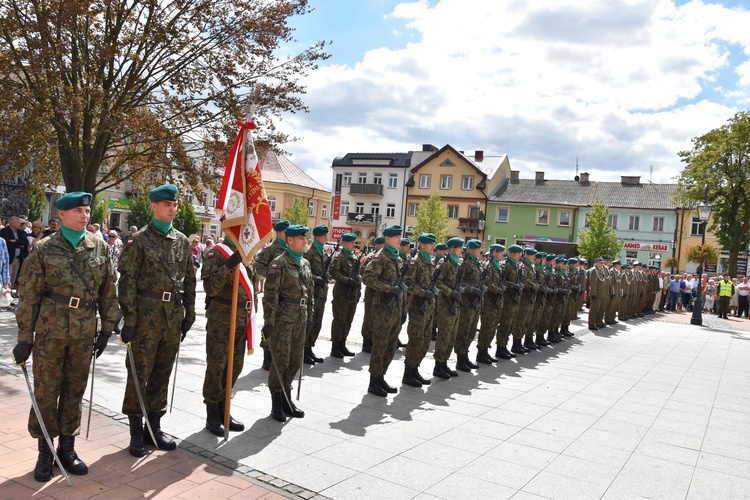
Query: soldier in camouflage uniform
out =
(345, 270)
(511, 300)
(218, 283)
(540, 275)
(441, 252)
(261, 263)
(563, 296)
(421, 309)
(317, 258)
(157, 297)
(449, 285)
(287, 308)
(57, 321)
(545, 324)
(382, 274)
(574, 273)
(522, 325)
(493, 304)
(367, 321)
(471, 304)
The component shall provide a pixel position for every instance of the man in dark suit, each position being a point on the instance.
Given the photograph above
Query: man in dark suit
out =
(18, 247)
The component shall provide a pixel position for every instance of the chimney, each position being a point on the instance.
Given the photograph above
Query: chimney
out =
(584, 177)
(630, 180)
(478, 155)
(428, 148)
(539, 177)
(514, 176)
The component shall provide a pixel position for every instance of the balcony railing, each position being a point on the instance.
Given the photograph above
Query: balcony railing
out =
(373, 189)
(470, 224)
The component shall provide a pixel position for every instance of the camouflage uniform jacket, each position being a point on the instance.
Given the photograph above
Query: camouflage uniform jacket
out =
(510, 269)
(287, 280)
(470, 279)
(141, 270)
(262, 259)
(47, 270)
(419, 275)
(528, 278)
(218, 281)
(342, 268)
(446, 282)
(317, 260)
(382, 271)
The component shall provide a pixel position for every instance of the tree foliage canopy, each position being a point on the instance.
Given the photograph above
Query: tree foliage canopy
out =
(432, 217)
(599, 239)
(297, 212)
(95, 92)
(720, 159)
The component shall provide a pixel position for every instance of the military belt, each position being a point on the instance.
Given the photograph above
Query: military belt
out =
(71, 302)
(298, 302)
(247, 305)
(163, 296)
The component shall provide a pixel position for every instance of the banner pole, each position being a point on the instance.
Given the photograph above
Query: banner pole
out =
(230, 350)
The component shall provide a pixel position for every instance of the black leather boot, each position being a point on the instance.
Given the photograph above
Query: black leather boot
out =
(540, 341)
(308, 358)
(410, 377)
(137, 448)
(441, 370)
(277, 406)
(234, 425)
(315, 357)
(463, 363)
(484, 357)
(267, 359)
(344, 350)
(419, 377)
(163, 442)
(69, 458)
(213, 420)
(387, 388)
(452, 373)
(517, 348)
(290, 408)
(336, 350)
(401, 344)
(502, 353)
(529, 343)
(566, 331)
(367, 344)
(375, 387)
(43, 467)
(552, 338)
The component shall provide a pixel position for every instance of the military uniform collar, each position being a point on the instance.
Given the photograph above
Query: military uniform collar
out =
(170, 235)
(59, 240)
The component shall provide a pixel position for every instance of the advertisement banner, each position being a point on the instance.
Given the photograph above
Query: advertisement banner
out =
(338, 232)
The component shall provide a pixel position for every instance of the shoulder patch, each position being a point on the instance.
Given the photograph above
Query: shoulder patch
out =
(274, 266)
(411, 262)
(130, 242)
(210, 254)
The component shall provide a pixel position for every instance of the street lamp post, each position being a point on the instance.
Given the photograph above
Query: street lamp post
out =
(480, 222)
(704, 212)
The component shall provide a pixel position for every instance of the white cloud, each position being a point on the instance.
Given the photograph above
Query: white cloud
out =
(619, 84)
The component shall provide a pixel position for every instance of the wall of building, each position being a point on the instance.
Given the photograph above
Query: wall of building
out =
(523, 224)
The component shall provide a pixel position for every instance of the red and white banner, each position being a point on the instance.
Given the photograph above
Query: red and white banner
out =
(337, 231)
(253, 340)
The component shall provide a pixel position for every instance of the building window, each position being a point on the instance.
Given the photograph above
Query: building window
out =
(392, 180)
(272, 205)
(377, 178)
(634, 223)
(347, 179)
(563, 218)
(324, 212)
(586, 221)
(453, 211)
(613, 218)
(467, 182)
(696, 227)
(362, 177)
(375, 208)
(658, 223)
(446, 181)
(344, 207)
(311, 209)
(424, 181)
(390, 211)
(500, 241)
(360, 207)
(542, 217)
(631, 254)
(413, 209)
(502, 214)
(473, 212)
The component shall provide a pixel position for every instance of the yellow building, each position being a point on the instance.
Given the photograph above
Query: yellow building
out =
(463, 183)
(284, 181)
(689, 232)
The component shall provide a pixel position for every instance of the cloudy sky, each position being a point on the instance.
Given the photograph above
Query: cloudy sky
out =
(622, 85)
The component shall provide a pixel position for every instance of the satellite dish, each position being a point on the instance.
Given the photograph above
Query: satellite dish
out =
(576, 178)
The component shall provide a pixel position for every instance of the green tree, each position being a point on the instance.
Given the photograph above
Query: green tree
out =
(186, 221)
(37, 203)
(140, 212)
(98, 210)
(720, 159)
(599, 239)
(432, 217)
(297, 212)
(97, 92)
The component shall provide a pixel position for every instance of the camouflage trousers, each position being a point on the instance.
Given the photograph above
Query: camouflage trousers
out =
(542, 314)
(287, 345)
(385, 334)
(61, 371)
(419, 330)
(522, 325)
(367, 320)
(447, 324)
(507, 319)
(557, 311)
(467, 327)
(217, 350)
(317, 323)
(154, 349)
(343, 312)
(490, 320)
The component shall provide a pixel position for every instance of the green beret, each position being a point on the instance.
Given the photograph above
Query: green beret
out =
(347, 237)
(320, 230)
(496, 247)
(441, 246)
(72, 200)
(281, 225)
(474, 244)
(572, 260)
(560, 259)
(529, 251)
(405, 241)
(455, 243)
(393, 230)
(296, 230)
(166, 192)
(427, 238)
(379, 240)
(550, 257)
(514, 249)
(540, 255)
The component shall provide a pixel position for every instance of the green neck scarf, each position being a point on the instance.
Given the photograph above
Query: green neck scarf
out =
(512, 259)
(438, 258)
(472, 257)
(318, 246)
(163, 227)
(391, 250)
(348, 253)
(564, 271)
(453, 257)
(297, 256)
(496, 262)
(527, 261)
(73, 237)
(282, 243)
(426, 256)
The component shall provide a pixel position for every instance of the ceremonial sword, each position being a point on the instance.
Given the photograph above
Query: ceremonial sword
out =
(138, 393)
(91, 395)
